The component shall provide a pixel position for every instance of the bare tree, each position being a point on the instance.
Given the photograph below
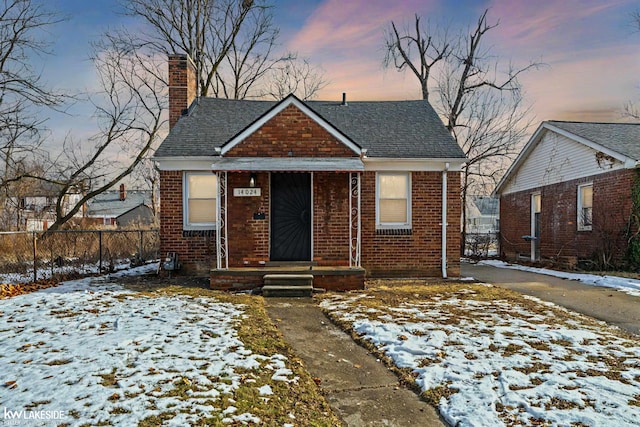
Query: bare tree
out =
(417, 49)
(481, 105)
(249, 58)
(296, 76)
(23, 94)
(631, 109)
(129, 110)
(204, 29)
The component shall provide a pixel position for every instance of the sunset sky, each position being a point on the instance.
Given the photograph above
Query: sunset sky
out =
(590, 48)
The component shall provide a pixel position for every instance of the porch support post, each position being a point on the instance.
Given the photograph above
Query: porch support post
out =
(354, 220)
(222, 260)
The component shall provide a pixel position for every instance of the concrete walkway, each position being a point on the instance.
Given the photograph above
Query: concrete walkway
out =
(612, 306)
(359, 388)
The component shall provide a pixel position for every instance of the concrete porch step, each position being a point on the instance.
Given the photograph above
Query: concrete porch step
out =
(287, 285)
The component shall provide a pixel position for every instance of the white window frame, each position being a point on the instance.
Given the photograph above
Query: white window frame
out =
(579, 219)
(393, 225)
(185, 203)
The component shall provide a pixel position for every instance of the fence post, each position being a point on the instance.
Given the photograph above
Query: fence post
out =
(140, 257)
(35, 263)
(100, 251)
(51, 260)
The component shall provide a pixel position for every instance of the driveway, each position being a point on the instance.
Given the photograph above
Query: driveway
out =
(614, 307)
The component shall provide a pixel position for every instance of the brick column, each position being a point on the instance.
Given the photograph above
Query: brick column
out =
(182, 86)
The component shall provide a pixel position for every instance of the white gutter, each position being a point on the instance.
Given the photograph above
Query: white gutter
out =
(444, 220)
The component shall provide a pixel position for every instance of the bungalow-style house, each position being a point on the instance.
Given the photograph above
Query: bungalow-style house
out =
(121, 208)
(342, 189)
(567, 196)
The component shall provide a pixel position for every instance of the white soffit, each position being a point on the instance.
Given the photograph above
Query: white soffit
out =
(416, 165)
(288, 164)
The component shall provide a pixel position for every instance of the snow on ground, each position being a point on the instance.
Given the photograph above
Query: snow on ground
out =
(50, 271)
(630, 286)
(101, 353)
(500, 363)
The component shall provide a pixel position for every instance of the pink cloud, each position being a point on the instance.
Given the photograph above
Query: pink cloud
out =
(549, 24)
(347, 37)
(592, 85)
(352, 25)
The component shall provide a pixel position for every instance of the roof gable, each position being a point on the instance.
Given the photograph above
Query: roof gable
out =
(277, 112)
(554, 145)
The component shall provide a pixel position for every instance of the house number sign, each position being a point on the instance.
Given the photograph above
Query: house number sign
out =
(246, 192)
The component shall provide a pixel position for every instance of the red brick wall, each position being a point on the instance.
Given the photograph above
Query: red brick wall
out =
(560, 239)
(420, 253)
(248, 237)
(331, 218)
(291, 131)
(196, 250)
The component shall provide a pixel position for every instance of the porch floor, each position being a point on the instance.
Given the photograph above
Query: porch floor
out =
(337, 278)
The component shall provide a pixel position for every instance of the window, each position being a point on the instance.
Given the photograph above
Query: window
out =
(585, 206)
(393, 204)
(200, 208)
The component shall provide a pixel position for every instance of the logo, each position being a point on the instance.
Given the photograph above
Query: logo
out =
(24, 417)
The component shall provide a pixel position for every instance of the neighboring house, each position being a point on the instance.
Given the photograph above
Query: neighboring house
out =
(34, 208)
(345, 189)
(567, 196)
(121, 208)
(482, 215)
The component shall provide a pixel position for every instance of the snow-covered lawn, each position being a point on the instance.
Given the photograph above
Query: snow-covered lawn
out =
(100, 354)
(490, 357)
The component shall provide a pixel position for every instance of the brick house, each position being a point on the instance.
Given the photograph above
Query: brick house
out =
(340, 189)
(567, 196)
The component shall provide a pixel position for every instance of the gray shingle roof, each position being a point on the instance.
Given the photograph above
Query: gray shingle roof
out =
(108, 204)
(393, 129)
(487, 205)
(623, 138)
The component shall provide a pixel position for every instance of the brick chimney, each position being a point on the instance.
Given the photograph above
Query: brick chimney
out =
(123, 192)
(182, 86)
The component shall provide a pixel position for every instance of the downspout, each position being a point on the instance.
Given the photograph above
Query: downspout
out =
(444, 220)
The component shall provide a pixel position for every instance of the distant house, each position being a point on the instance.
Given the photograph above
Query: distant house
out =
(343, 189)
(568, 195)
(482, 214)
(32, 207)
(121, 208)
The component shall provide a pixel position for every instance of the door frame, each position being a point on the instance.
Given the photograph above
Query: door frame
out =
(535, 241)
(311, 223)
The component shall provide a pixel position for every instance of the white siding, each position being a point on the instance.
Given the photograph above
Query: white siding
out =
(554, 159)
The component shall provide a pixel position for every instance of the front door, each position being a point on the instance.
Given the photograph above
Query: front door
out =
(290, 217)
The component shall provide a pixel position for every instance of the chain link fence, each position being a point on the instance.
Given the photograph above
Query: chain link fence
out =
(32, 255)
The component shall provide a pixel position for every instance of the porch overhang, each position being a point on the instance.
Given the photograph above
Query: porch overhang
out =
(288, 164)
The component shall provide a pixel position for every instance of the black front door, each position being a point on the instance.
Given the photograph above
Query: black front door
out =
(290, 217)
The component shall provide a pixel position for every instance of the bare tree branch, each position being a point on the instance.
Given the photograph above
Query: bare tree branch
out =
(482, 106)
(129, 110)
(204, 29)
(295, 76)
(431, 49)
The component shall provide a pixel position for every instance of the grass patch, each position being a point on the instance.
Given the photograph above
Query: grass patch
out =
(58, 362)
(298, 403)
